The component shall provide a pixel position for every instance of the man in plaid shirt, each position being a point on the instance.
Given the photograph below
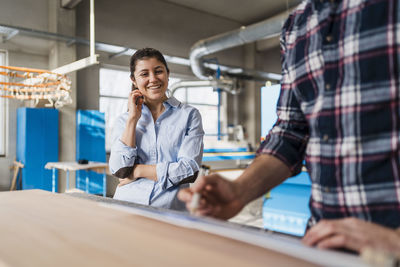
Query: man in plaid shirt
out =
(339, 110)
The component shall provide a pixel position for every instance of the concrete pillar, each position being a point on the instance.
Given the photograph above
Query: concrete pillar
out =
(250, 105)
(62, 21)
(89, 80)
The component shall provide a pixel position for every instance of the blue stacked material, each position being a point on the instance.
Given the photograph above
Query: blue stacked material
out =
(228, 156)
(37, 144)
(90, 145)
(227, 153)
(285, 208)
(225, 150)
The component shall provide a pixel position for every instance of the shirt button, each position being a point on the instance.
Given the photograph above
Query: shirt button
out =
(329, 38)
(325, 137)
(328, 86)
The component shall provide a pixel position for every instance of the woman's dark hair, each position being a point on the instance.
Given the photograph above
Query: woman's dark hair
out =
(145, 53)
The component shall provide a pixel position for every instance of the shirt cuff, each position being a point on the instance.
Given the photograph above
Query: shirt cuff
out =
(126, 150)
(284, 151)
(162, 175)
(122, 156)
(166, 171)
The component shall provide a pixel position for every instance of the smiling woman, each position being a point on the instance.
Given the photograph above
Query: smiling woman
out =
(151, 78)
(158, 143)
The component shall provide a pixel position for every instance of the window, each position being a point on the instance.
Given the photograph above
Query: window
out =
(115, 86)
(205, 99)
(3, 110)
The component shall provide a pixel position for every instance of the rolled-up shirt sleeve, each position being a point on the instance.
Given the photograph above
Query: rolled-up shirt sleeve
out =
(122, 157)
(287, 140)
(190, 154)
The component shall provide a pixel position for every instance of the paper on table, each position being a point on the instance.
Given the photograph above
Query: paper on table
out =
(282, 244)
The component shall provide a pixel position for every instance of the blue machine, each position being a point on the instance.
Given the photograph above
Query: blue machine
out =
(37, 144)
(90, 145)
(285, 208)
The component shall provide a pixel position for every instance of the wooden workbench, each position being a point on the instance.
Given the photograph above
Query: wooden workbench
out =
(99, 167)
(39, 228)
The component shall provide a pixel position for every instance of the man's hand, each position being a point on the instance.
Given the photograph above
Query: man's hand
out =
(223, 199)
(220, 198)
(353, 234)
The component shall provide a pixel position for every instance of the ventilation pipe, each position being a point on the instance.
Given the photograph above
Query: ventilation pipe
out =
(225, 85)
(265, 29)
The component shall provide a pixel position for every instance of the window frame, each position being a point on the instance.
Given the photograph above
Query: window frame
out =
(187, 89)
(4, 113)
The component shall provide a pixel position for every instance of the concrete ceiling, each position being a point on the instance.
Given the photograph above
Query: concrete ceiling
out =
(244, 12)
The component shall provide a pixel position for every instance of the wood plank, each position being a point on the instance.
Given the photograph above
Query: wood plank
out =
(38, 228)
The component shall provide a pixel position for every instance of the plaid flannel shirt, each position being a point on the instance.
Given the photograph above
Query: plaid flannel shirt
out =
(339, 107)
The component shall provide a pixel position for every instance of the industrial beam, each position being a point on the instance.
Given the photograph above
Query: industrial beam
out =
(77, 65)
(70, 4)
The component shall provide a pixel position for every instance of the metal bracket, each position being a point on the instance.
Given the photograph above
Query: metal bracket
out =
(71, 42)
(119, 53)
(10, 35)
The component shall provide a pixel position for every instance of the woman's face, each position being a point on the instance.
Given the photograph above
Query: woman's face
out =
(151, 77)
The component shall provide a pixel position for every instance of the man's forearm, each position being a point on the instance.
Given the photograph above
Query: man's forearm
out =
(262, 175)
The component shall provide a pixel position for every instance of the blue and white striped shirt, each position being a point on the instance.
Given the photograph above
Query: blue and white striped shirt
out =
(174, 143)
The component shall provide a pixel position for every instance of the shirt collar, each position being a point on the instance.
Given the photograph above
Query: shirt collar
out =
(173, 102)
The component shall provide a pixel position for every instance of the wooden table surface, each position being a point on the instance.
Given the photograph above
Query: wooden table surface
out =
(99, 167)
(39, 228)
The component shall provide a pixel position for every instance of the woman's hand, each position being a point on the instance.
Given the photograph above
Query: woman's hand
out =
(135, 102)
(125, 181)
(140, 171)
(131, 178)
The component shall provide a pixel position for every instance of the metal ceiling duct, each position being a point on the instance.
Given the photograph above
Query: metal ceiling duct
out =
(265, 29)
(225, 85)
